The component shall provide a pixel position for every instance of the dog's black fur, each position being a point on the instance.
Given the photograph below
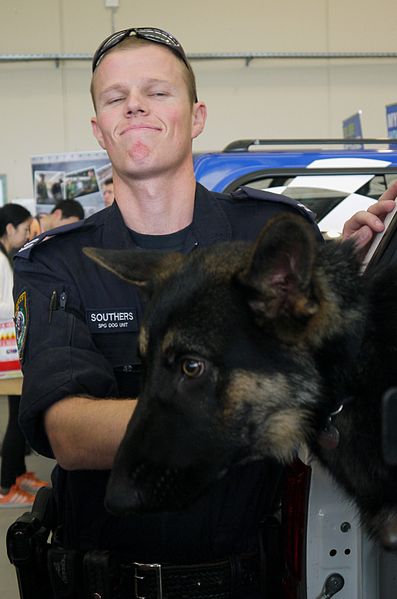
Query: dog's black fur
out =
(248, 349)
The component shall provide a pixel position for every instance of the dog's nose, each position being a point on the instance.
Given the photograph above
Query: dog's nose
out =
(121, 498)
(144, 488)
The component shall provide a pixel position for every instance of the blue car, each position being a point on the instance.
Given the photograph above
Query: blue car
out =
(325, 552)
(330, 179)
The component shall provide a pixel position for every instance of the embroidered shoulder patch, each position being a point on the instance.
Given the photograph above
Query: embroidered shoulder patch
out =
(21, 322)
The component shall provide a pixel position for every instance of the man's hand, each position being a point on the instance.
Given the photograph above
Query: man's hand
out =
(363, 225)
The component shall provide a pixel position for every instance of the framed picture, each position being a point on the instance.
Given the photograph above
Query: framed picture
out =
(71, 176)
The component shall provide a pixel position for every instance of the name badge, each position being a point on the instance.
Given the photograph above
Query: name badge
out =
(118, 320)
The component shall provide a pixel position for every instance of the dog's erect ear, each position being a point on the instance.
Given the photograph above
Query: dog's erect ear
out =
(278, 277)
(139, 268)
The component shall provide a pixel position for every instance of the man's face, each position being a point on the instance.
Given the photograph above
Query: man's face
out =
(55, 219)
(144, 118)
(108, 194)
(18, 235)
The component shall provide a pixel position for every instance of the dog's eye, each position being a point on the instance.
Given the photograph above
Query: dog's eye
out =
(192, 368)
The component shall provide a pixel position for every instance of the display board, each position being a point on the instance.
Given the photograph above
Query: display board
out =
(391, 122)
(77, 175)
(352, 129)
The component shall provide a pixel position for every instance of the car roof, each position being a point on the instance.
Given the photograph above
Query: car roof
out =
(219, 170)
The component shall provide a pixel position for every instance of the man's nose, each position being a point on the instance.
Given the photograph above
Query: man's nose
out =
(136, 104)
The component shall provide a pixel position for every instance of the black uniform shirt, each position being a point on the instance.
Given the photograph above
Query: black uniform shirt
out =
(78, 334)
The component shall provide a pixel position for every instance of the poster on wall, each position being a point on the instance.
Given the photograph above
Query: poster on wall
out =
(78, 176)
(352, 129)
(391, 122)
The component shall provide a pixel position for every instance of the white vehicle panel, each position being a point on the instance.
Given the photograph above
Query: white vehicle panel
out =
(336, 542)
(336, 218)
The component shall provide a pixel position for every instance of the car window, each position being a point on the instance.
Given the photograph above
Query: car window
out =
(332, 203)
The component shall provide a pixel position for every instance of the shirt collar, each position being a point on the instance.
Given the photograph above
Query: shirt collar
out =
(210, 224)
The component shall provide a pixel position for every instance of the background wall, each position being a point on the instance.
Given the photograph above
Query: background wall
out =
(45, 107)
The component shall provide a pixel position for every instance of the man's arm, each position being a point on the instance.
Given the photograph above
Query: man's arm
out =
(85, 433)
(363, 225)
(64, 372)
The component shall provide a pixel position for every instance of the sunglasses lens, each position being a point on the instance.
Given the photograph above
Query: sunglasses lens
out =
(162, 37)
(159, 36)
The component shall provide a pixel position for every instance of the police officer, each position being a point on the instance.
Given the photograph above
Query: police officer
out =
(77, 335)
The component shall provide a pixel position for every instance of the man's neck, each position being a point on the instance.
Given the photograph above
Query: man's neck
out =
(156, 206)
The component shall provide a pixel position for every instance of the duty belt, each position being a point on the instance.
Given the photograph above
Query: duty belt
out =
(215, 580)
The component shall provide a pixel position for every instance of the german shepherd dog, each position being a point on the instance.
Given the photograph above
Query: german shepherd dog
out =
(250, 351)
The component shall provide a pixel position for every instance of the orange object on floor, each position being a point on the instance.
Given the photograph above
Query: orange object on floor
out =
(16, 497)
(29, 483)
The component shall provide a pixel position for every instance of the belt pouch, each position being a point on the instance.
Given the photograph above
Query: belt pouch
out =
(64, 567)
(96, 568)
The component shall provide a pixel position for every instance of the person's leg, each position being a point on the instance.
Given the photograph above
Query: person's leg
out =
(13, 449)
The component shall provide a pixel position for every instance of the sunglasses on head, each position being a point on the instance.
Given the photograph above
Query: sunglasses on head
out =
(152, 34)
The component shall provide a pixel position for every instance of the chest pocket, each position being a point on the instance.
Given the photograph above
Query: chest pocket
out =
(115, 333)
(112, 315)
(120, 349)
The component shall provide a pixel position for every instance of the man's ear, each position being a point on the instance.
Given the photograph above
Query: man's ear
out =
(58, 214)
(278, 279)
(97, 132)
(199, 117)
(143, 269)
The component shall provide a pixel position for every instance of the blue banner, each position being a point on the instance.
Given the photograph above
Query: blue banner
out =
(391, 121)
(352, 130)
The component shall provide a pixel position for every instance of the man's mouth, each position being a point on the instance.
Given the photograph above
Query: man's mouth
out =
(139, 127)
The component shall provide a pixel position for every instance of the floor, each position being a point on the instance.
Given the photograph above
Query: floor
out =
(42, 467)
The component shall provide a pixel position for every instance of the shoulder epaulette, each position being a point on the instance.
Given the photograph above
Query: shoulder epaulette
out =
(24, 252)
(258, 194)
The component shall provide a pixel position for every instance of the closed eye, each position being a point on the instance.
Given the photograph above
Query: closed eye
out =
(114, 100)
(159, 94)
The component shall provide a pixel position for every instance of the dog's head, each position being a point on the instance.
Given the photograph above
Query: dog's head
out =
(231, 343)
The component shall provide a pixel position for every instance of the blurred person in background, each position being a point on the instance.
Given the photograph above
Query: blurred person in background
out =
(41, 188)
(18, 486)
(108, 192)
(56, 190)
(65, 212)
